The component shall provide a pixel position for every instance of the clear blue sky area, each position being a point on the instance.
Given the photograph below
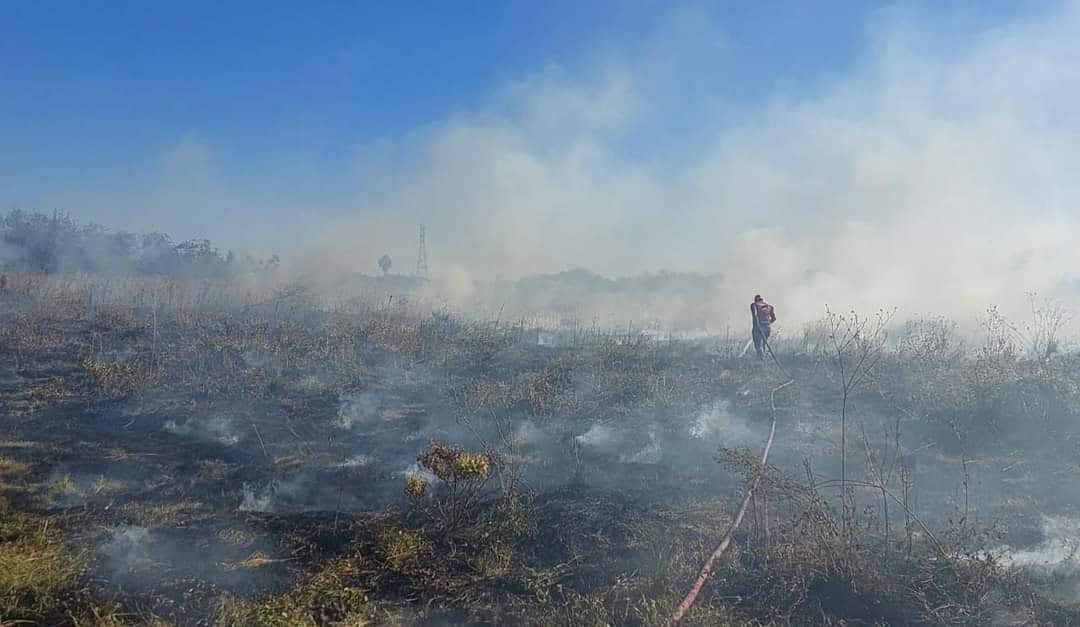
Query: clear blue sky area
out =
(93, 93)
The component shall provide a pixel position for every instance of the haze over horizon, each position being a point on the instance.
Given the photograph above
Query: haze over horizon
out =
(908, 154)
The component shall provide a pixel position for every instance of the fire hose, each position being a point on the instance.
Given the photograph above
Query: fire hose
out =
(706, 570)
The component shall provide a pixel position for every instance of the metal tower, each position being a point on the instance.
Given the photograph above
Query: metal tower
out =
(421, 257)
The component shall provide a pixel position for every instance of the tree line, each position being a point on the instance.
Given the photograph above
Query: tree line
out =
(52, 243)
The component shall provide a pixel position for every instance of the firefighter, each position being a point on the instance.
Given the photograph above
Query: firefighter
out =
(762, 315)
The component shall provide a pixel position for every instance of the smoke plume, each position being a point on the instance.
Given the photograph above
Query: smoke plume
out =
(928, 177)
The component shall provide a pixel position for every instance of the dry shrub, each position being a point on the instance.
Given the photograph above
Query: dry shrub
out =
(401, 547)
(118, 321)
(455, 465)
(540, 390)
(930, 340)
(116, 380)
(545, 391)
(462, 477)
(399, 333)
(812, 568)
(32, 397)
(415, 487)
(29, 334)
(483, 394)
(61, 306)
(479, 344)
(494, 537)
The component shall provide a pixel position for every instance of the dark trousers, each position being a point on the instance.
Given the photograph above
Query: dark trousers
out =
(761, 335)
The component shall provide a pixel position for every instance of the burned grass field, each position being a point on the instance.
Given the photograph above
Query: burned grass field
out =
(194, 453)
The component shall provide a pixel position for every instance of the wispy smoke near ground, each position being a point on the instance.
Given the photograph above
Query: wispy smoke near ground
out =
(1056, 558)
(257, 498)
(600, 437)
(650, 453)
(415, 471)
(930, 177)
(129, 549)
(358, 461)
(217, 428)
(1059, 549)
(358, 408)
(717, 423)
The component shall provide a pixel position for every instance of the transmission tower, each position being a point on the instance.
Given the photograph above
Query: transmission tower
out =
(421, 256)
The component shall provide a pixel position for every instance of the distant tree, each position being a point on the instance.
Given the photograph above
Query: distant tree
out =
(40, 242)
(385, 263)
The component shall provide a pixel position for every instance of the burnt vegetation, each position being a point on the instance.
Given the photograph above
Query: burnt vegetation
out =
(186, 451)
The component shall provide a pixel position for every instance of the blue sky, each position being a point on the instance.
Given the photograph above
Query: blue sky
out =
(262, 124)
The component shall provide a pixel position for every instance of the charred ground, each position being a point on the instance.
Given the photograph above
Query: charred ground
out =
(182, 452)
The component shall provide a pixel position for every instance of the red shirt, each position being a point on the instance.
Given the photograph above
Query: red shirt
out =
(764, 312)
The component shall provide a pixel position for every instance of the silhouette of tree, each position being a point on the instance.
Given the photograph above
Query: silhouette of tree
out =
(38, 242)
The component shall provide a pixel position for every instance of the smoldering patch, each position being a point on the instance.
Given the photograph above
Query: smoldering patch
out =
(129, 550)
(716, 424)
(70, 489)
(370, 407)
(528, 433)
(1054, 560)
(651, 453)
(256, 358)
(414, 471)
(143, 558)
(355, 488)
(599, 437)
(357, 461)
(256, 498)
(213, 429)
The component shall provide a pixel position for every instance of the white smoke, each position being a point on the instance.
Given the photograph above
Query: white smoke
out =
(216, 429)
(416, 471)
(651, 453)
(528, 433)
(357, 408)
(129, 549)
(1058, 553)
(1055, 559)
(598, 436)
(358, 461)
(717, 424)
(257, 498)
(923, 177)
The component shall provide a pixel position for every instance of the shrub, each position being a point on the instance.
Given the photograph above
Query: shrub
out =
(113, 380)
(462, 476)
(401, 547)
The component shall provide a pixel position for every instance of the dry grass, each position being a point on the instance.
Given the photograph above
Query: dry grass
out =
(327, 597)
(167, 514)
(212, 469)
(237, 536)
(401, 547)
(117, 380)
(64, 485)
(37, 572)
(37, 396)
(10, 468)
(257, 559)
(20, 444)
